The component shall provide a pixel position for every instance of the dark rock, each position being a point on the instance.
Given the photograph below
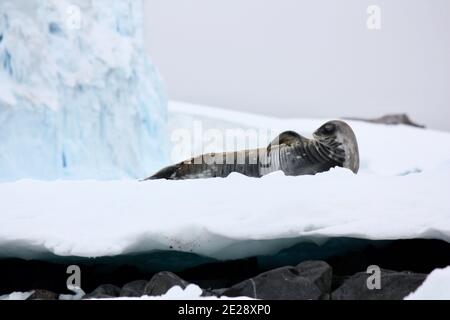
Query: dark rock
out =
(310, 280)
(392, 119)
(223, 274)
(394, 286)
(104, 291)
(43, 295)
(134, 289)
(319, 272)
(216, 292)
(338, 281)
(211, 293)
(162, 282)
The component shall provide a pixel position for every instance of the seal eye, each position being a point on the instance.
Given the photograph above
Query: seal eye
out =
(329, 128)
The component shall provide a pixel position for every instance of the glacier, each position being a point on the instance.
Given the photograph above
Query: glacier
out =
(79, 96)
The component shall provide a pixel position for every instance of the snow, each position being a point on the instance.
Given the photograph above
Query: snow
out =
(79, 98)
(216, 217)
(435, 287)
(17, 296)
(396, 195)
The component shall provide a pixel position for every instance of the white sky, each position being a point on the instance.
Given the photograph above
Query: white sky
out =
(297, 58)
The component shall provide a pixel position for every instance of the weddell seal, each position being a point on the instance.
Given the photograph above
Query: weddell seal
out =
(334, 145)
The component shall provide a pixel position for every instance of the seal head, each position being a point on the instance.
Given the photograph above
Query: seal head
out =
(337, 134)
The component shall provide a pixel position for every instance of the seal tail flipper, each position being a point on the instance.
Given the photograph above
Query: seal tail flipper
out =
(168, 173)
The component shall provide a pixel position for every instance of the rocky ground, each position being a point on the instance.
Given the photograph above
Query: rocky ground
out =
(337, 270)
(309, 280)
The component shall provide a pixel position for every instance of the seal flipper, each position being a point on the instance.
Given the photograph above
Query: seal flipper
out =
(165, 173)
(288, 138)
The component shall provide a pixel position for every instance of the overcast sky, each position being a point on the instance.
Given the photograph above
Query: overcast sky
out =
(295, 58)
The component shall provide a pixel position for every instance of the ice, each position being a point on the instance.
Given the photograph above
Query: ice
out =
(435, 287)
(79, 97)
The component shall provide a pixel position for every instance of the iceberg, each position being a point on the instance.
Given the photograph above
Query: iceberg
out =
(79, 97)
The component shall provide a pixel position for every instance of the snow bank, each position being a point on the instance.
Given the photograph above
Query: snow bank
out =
(79, 97)
(401, 192)
(219, 217)
(435, 287)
